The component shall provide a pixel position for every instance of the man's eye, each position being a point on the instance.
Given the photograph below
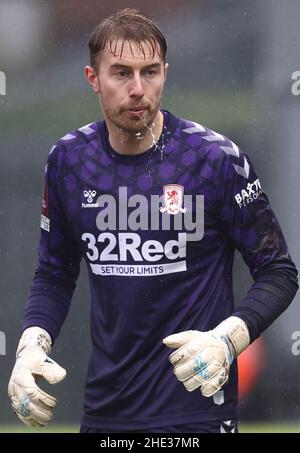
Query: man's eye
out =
(151, 72)
(122, 74)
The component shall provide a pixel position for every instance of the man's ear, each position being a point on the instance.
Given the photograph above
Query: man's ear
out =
(166, 68)
(92, 79)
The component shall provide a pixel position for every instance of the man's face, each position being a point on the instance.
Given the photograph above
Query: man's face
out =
(130, 85)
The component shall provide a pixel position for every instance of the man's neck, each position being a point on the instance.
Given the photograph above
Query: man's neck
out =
(132, 143)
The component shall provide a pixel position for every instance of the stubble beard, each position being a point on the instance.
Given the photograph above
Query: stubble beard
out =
(124, 123)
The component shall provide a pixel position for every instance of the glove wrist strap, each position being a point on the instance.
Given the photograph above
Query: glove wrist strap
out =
(236, 330)
(35, 336)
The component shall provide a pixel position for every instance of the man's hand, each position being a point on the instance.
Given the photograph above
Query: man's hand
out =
(32, 405)
(203, 359)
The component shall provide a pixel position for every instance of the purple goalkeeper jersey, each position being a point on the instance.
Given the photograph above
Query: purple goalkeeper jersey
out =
(158, 233)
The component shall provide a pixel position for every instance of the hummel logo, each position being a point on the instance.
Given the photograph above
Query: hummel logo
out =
(228, 426)
(89, 195)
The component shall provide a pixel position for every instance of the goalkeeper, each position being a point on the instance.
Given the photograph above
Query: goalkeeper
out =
(156, 205)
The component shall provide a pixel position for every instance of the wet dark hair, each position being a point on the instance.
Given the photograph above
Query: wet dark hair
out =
(126, 25)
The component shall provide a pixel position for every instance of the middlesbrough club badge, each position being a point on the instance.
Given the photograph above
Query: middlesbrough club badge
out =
(173, 199)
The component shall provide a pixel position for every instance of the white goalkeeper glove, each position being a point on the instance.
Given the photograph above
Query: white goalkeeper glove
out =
(204, 358)
(32, 405)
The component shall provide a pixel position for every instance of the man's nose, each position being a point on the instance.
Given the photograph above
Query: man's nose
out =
(136, 88)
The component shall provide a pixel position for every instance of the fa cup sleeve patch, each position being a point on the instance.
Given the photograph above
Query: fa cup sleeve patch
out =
(45, 204)
(45, 221)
